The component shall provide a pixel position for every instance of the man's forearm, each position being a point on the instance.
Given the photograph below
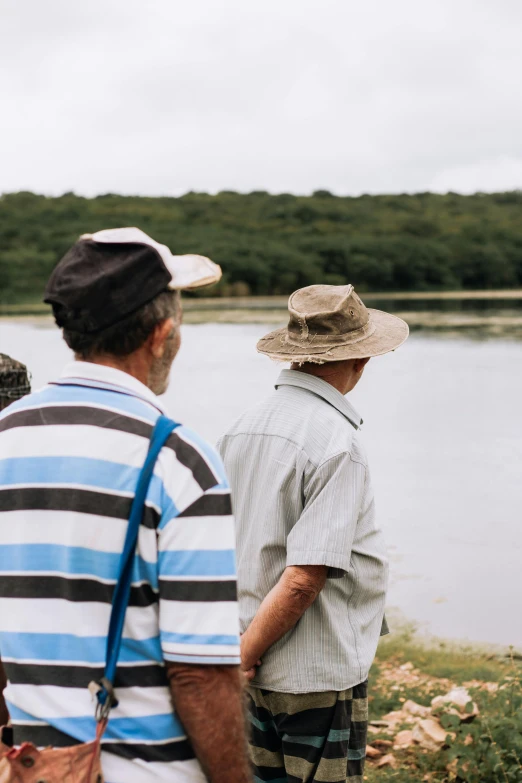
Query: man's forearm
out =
(209, 702)
(279, 612)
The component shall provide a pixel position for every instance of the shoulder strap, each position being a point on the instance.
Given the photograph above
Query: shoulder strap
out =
(104, 690)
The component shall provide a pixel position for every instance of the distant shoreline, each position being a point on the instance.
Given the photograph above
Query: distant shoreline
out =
(268, 302)
(443, 324)
(493, 322)
(192, 303)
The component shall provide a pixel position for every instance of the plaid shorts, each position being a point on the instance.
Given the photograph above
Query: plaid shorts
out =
(308, 737)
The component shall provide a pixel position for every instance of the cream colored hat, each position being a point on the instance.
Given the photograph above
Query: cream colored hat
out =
(329, 323)
(187, 271)
(106, 276)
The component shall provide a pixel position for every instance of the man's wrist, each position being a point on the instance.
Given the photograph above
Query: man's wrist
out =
(248, 659)
(247, 662)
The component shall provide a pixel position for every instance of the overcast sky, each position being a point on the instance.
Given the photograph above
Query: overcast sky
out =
(163, 96)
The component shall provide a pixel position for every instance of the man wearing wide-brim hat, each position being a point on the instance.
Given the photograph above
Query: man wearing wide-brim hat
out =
(312, 567)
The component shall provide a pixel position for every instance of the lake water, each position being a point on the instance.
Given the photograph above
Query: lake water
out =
(443, 428)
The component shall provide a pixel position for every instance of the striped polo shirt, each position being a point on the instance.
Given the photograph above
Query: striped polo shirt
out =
(70, 456)
(303, 496)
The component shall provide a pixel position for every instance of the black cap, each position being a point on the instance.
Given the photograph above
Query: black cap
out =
(108, 275)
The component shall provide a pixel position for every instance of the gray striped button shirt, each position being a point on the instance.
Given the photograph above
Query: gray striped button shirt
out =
(302, 496)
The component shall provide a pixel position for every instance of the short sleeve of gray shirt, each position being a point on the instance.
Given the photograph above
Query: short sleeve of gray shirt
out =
(325, 530)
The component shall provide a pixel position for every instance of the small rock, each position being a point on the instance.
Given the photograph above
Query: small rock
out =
(382, 743)
(406, 667)
(429, 734)
(416, 709)
(387, 761)
(404, 739)
(374, 729)
(451, 768)
(468, 740)
(397, 716)
(372, 753)
(490, 687)
(456, 699)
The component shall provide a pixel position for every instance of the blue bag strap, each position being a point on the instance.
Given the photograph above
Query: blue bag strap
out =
(104, 690)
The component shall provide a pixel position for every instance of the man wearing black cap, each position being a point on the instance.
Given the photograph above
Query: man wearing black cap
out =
(71, 454)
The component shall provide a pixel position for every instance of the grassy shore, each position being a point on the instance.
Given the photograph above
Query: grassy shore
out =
(484, 749)
(501, 318)
(280, 302)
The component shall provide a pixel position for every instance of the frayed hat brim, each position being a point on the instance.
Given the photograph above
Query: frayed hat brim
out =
(389, 333)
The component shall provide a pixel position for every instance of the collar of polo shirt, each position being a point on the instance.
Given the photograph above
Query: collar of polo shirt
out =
(322, 389)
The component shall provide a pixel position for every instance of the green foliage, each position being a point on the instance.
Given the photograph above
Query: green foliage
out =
(490, 747)
(272, 244)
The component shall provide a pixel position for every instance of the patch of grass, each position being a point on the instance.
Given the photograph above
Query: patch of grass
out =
(384, 697)
(486, 750)
(403, 774)
(458, 663)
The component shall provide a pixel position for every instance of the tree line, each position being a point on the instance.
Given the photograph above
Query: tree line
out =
(272, 244)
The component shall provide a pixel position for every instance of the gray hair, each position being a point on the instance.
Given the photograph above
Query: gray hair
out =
(129, 334)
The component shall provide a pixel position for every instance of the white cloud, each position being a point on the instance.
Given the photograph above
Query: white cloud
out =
(164, 97)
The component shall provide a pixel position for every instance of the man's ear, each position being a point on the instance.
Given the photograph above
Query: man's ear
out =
(360, 364)
(159, 336)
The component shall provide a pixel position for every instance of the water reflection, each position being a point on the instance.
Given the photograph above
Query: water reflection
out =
(501, 306)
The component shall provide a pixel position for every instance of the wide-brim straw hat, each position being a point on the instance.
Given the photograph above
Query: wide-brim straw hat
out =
(330, 323)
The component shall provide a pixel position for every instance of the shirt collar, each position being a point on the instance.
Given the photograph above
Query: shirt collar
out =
(322, 389)
(103, 377)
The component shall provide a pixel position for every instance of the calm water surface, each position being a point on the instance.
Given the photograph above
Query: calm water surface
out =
(443, 428)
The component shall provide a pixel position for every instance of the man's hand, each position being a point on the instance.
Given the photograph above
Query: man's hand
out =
(250, 673)
(284, 605)
(209, 702)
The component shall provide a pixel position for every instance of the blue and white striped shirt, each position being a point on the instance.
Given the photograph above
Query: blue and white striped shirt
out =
(70, 456)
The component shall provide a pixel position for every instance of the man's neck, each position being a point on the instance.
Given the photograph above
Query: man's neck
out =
(333, 377)
(133, 365)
